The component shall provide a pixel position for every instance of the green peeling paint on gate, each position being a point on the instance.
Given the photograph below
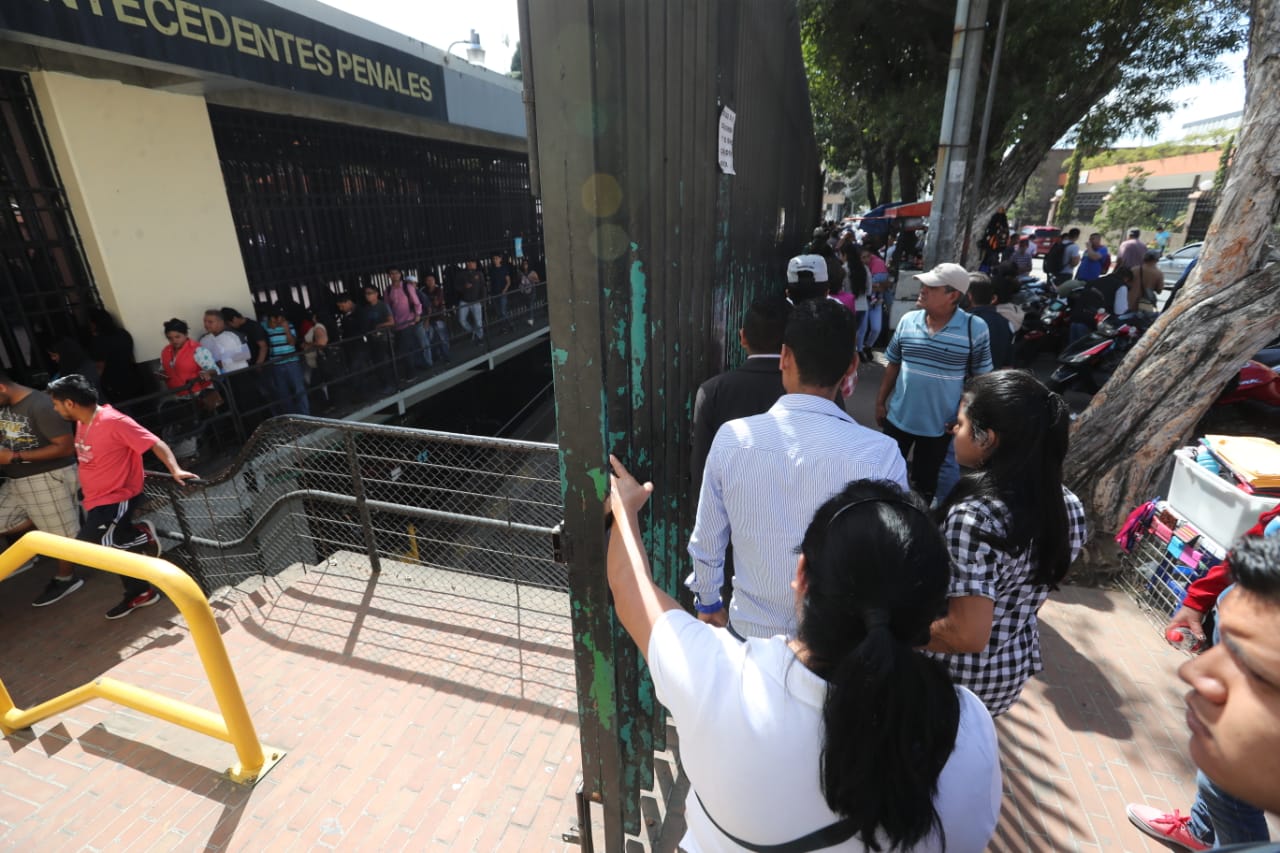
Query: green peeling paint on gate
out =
(639, 328)
(624, 95)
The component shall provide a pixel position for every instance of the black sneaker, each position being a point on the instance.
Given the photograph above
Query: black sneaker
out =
(128, 605)
(152, 546)
(57, 590)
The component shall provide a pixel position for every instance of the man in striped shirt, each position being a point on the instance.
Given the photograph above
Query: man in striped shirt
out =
(767, 474)
(933, 352)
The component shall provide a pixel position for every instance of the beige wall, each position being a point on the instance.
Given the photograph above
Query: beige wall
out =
(142, 176)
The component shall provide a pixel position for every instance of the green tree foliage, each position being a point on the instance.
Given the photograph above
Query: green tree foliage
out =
(517, 64)
(1120, 156)
(1130, 205)
(1101, 67)
(1224, 165)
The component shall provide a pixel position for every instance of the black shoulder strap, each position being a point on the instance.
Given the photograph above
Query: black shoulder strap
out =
(968, 360)
(820, 839)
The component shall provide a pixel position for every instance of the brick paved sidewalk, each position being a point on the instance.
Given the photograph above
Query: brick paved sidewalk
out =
(413, 719)
(417, 720)
(1102, 726)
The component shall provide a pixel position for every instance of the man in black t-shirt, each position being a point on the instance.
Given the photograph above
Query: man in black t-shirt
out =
(252, 388)
(471, 293)
(37, 457)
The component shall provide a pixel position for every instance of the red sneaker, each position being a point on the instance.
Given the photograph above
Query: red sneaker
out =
(128, 605)
(1164, 826)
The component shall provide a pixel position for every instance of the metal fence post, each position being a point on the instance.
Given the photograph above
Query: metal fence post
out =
(362, 506)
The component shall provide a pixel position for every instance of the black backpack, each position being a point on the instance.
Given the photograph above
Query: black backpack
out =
(1053, 260)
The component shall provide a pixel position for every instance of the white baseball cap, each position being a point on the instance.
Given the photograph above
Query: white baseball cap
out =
(815, 264)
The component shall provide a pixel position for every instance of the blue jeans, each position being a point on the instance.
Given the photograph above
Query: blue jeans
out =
(948, 475)
(869, 327)
(471, 316)
(291, 389)
(438, 335)
(1219, 819)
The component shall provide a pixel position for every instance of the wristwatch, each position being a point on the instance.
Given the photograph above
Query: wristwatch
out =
(16, 456)
(714, 607)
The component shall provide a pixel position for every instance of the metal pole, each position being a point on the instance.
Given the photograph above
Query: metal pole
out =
(953, 164)
(362, 504)
(946, 134)
(981, 160)
(530, 106)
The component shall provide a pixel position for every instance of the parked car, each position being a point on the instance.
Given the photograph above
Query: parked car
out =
(1041, 236)
(1173, 265)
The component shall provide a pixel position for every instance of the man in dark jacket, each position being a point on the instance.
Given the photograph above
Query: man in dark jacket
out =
(983, 304)
(746, 390)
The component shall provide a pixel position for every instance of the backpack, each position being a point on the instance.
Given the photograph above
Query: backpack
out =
(1092, 298)
(1054, 259)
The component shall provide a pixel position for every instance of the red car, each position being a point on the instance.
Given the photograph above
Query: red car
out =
(1041, 236)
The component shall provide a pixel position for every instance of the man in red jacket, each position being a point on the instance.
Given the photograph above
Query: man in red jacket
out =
(109, 447)
(1250, 641)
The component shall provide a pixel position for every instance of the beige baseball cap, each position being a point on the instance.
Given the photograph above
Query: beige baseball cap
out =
(953, 276)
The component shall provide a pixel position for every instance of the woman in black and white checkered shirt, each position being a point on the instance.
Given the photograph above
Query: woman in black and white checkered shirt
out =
(1012, 528)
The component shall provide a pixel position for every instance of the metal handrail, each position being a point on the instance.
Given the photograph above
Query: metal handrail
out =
(262, 436)
(233, 725)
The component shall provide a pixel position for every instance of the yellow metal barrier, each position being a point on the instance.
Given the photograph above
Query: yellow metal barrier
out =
(233, 725)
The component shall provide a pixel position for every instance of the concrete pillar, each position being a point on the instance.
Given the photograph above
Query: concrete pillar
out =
(146, 191)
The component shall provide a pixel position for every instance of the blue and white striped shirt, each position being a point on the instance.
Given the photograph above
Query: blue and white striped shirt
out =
(934, 366)
(766, 476)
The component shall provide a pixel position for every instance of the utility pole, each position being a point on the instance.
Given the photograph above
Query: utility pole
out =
(957, 126)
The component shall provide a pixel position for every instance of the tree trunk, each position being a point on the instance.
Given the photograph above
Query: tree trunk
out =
(1229, 308)
(885, 165)
(908, 177)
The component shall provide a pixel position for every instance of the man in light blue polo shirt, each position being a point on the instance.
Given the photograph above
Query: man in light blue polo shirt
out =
(932, 353)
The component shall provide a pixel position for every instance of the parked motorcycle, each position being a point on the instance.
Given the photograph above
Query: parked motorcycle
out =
(1090, 361)
(1044, 325)
(1255, 381)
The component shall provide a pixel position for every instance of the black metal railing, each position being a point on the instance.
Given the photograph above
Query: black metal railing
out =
(340, 378)
(320, 207)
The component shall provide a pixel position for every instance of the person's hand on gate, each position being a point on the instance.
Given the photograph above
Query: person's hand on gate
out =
(626, 494)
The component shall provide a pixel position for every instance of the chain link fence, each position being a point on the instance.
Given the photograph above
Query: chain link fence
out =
(464, 516)
(344, 376)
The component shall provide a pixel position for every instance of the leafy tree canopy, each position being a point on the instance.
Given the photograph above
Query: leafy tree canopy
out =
(1121, 156)
(1130, 205)
(1095, 68)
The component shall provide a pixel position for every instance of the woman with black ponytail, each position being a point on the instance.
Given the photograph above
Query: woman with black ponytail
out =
(1012, 528)
(842, 738)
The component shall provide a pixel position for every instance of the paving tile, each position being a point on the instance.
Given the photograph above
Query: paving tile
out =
(412, 722)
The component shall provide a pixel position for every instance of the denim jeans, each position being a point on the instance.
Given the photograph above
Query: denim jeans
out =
(869, 327)
(438, 335)
(948, 475)
(471, 316)
(1218, 818)
(291, 389)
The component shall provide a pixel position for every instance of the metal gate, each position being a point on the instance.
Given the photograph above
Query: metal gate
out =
(321, 207)
(657, 252)
(45, 287)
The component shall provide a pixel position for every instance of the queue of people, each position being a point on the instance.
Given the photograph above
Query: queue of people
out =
(906, 624)
(212, 385)
(908, 620)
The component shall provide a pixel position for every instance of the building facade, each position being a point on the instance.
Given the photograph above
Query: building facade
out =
(161, 157)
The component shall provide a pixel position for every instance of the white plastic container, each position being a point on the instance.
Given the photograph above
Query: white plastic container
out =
(1213, 506)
